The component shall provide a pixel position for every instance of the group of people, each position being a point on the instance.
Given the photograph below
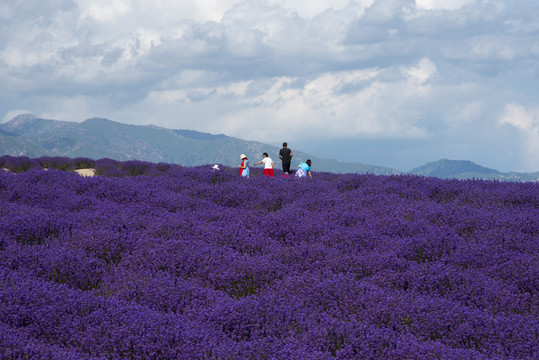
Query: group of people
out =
(285, 154)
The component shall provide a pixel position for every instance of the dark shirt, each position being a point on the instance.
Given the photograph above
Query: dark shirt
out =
(285, 153)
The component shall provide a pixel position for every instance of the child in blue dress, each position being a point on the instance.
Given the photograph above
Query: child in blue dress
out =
(244, 166)
(304, 169)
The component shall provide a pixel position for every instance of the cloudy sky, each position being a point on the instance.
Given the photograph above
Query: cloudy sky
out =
(396, 83)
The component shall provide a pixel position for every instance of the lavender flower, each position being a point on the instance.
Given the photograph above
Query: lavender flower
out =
(166, 262)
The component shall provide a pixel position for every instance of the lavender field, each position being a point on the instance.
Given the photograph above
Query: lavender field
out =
(159, 261)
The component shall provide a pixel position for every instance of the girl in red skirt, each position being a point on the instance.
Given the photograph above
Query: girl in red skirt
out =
(268, 165)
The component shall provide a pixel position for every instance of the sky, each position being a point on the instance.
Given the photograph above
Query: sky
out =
(396, 83)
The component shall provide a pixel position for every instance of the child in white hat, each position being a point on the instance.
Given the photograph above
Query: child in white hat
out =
(244, 166)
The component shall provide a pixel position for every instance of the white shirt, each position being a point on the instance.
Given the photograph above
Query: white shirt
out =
(267, 162)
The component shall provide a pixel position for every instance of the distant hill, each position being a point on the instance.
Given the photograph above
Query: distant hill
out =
(27, 135)
(451, 168)
(465, 169)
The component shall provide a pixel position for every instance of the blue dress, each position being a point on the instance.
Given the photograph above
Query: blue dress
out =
(245, 172)
(303, 168)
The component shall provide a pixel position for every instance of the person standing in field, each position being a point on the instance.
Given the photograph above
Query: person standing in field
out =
(268, 165)
(285, 154)
(244, 166)
(304, 169)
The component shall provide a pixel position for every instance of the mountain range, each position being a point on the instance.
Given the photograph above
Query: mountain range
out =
(27, 135)
(465, 169)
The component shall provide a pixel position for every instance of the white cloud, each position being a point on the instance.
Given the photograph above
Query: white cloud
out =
(517, 116)
(155, 12)
(107, 10)
(442, 4)
(309, 9)
(338, 104)
(527, 121)
(421, 73)
(466, 114)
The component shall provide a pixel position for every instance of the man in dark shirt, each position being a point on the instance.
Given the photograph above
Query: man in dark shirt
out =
(285, 154)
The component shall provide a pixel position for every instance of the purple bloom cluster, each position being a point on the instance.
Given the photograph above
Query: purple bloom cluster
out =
(159, 261)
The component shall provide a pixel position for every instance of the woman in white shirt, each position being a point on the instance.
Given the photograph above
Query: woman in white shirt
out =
(268, 165)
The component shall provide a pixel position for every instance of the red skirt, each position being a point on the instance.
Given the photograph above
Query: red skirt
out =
(269, 172)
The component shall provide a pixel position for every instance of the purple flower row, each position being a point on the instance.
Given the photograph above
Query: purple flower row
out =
(192, 263)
